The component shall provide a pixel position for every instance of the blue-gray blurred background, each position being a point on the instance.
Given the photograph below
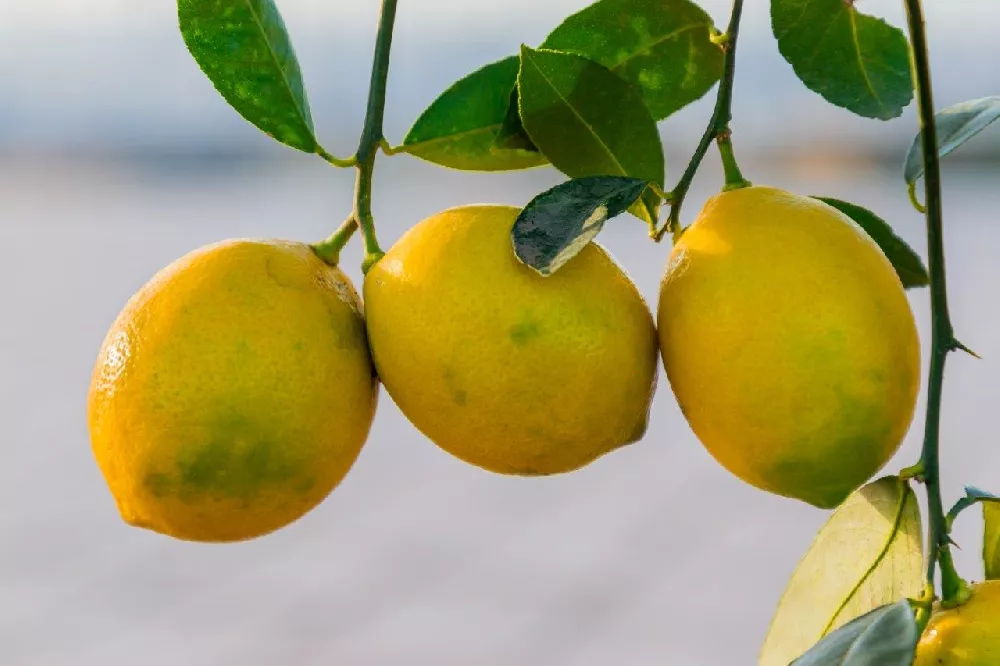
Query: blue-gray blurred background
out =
(117, 156)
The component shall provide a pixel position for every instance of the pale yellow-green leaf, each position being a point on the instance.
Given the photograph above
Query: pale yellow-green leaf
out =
(867, 555)
(991, 539)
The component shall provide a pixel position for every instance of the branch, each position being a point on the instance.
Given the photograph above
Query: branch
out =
(942, 334)
(371, 135)
(717, 130)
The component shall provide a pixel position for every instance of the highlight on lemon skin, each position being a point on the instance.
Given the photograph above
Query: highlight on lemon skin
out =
(503, 368)
(789, 343)
(968, 635)
(233, 392)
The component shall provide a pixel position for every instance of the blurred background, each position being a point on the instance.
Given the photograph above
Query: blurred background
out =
(117, 156)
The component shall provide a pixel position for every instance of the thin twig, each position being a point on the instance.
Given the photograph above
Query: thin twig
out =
(371, 136)
(718, 125)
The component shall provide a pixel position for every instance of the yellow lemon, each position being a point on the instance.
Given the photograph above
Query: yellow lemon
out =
(968, 635)
(233, 393)
(789, 343)
(504, 368)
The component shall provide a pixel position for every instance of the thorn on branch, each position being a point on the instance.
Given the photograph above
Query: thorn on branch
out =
(957, 345)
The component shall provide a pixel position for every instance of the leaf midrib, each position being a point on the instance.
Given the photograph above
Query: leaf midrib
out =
(277, 62)
(877, 561)
(646, 48)
(580, 118)
(852, 18)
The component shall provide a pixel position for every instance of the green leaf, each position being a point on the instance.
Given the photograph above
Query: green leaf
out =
(991, 540)
(855, 61)
(512, 134)
(955, 125)
(457, 130)
(558, 223)
(868, 554)
(663, 47)
(972, 496)
(908, 264)
(589, 122)
(886, 636)
(244, 49)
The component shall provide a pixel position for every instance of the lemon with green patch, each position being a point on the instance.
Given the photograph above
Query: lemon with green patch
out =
(233, 392)
(789, 343)
(506, 369)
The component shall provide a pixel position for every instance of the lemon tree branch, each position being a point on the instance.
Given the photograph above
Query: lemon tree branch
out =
(371, 135)
(942, 333)
(363, 160)
(717, 130)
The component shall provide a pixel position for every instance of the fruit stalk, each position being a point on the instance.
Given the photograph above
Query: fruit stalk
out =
(717, 130)
(942, 334)
(329, 249)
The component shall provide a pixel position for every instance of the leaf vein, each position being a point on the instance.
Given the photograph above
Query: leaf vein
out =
(582, 120)
(274, 56)
(861, 61)
(904, 496)
(656, 42)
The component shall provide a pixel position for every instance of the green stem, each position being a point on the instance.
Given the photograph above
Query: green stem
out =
(942, 334)
(734, 177)
(335, 161)
(371, 135)
(329, 249)
(718, 126)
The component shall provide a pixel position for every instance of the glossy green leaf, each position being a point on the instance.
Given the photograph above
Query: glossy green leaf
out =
(558, 223)
(457, 130)
(908, 264)
(991, 540)
(512, 134)
(868, 554)
(244, 49)
(955, 125)
(589, 122)
(663, 47)
(886, 636)
(855, 61)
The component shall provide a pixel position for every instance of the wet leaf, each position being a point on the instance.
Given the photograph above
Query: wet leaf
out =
(244, 49)
(589, 122)
(869, 553)
(855, 61)
(908, 264)
(457, 130)
(886, 636)
(955, 125)
(558, 223)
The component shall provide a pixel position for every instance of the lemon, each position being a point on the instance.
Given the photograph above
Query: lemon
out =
(789, 343)
(506, 369)
(233, 393)
(968, 635)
